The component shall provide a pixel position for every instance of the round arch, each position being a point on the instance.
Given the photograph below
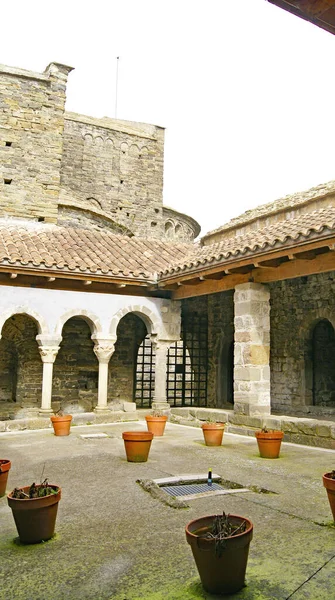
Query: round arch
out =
(41, 324)
(91, 320)
(148, 317)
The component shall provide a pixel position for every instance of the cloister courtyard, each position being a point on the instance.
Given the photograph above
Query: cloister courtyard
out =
(115, 540)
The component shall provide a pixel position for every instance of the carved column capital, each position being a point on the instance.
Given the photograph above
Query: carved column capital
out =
(48, 353)
(103, 348)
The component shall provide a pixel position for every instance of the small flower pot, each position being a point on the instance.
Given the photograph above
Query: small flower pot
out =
(269, 443)
(329, 483)
(62, 424)
(156, 424)
(137, 445)
(35, 518)
(213, 433)
(221, 572)
(5, 465)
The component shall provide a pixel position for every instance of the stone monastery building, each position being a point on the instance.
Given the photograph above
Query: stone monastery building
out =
(107, 304)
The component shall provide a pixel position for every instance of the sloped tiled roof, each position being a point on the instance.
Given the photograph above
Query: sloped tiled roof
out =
(73, 250)
(282, 204)
(283, 233)
(43, 246)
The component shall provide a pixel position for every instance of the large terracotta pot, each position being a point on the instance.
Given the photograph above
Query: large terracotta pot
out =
(5, 465)
(213, 433)
(220, 572)
(156, 424)
(137, 445)
(35, 518)
(269, 443)
(329, 483)
(62, 424)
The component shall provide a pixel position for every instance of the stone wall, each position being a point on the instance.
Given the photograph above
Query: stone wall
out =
(122, 368)
(220, 348)
(31, 138)
(297, 305)
(20, 363)
(118, 169)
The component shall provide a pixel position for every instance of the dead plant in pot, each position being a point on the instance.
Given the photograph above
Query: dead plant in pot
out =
(213, 432)
(220, 547)
(328, 480)
(34, 510)
(269, 442)
(156, 422)
(61, 423)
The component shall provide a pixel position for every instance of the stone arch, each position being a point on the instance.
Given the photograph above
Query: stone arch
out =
(20, 364)
(307, 367)
(98, 140)
(143, 152)
(134, 150)
(169, 229)
(88, 138)
(148, 317)
(41, 324)
(91, 319)
(124, 148)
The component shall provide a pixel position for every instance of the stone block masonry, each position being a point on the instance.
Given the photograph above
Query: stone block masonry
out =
(31, 139)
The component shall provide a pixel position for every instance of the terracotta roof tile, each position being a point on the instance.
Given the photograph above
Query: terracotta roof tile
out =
(282, 204)
(84, 251)
(288, 231)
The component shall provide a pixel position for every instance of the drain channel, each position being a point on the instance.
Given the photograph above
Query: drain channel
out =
(189, 490)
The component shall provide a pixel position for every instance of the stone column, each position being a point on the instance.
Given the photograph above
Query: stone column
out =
(161, 348)
(103, 349)
(252, 350)
(48, 348)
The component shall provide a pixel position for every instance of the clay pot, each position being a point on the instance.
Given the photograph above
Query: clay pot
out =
(62, 424)
(156, 424)
(269, 443)
(329, 484)
(5, 465)
(213, 433)
(224, 572)
(35, 518)
(137, 445)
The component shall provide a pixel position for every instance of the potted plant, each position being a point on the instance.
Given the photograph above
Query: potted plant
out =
(61, 423)
(220, 547)
(5, 465)
(34, 510)
(137, 445)
(269, 442)
(213, 432)
(156, 422)
(329, 483)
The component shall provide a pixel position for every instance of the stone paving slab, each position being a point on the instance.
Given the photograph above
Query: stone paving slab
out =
(114, 541)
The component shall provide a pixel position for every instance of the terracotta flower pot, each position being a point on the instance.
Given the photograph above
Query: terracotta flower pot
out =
(35, 518)
(156, 424)
(137, 445)
(213, 433)
(62, 424)
(329, 483)
(5, 465)
(220, 572)
(269, 443)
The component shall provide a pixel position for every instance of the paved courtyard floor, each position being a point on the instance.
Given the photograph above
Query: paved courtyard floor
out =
(114, 540)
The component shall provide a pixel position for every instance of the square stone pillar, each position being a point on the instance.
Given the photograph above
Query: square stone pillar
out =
(252, 349)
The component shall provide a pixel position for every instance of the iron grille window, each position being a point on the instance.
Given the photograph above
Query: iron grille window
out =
(145, 374)
(188, 364)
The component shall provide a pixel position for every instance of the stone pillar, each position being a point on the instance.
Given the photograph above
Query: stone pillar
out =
(48, 347)
(252, 349)
(161, 348)
(103, 349)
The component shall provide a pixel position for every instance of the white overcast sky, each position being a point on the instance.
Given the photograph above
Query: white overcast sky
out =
(244, 89)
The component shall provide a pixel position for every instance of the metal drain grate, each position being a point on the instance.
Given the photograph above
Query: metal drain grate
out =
(189, 490)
